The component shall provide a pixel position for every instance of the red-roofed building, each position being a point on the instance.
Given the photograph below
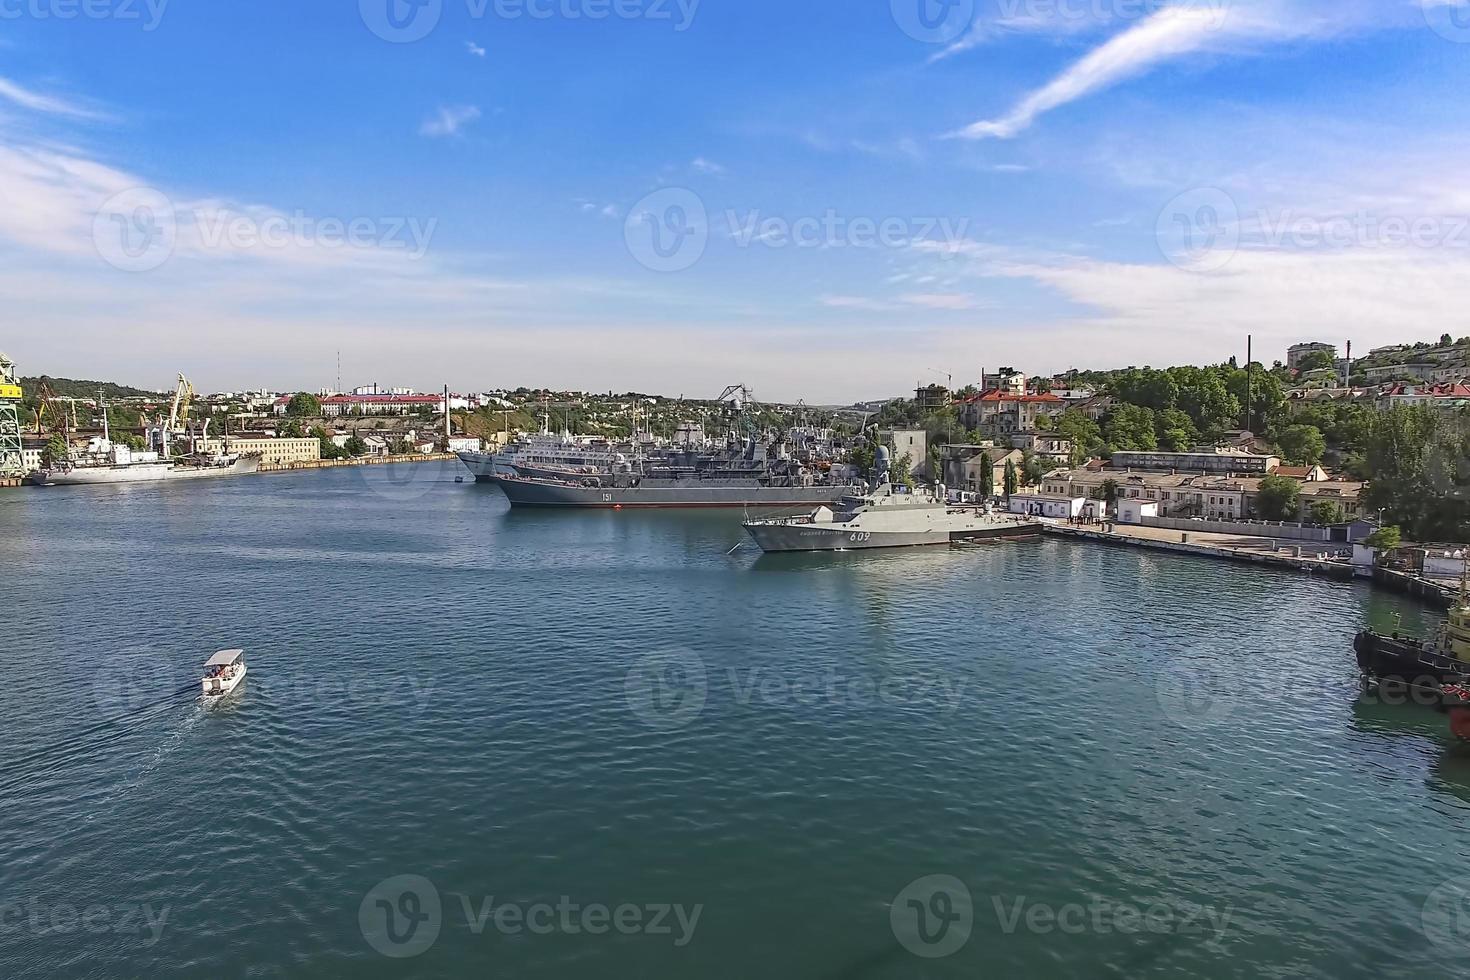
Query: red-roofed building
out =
(1446, 396)
(998, 411)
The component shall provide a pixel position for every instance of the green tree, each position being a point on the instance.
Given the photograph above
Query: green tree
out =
(355, 446)
(1325, 512)
(329, 449)
(1107, 492)
(55, 451)
(1033, 469)
(1419, 472)
(1084, 434)
(303, 405)
(1316, 361)
(987, 476)
(903, 471)
(1278, 498)
(1385, 538)
(291, 429)
(1130, 427)
(1303, 444)
(1445, 340)
(1010, 478)
(1176, 430)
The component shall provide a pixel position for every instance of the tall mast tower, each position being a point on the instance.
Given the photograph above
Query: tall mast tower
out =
(11, 459)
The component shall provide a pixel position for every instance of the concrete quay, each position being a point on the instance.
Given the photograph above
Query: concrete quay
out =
(1232, 547)
(318, 464)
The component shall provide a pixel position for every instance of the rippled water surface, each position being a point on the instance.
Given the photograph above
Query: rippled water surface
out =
(582, 711)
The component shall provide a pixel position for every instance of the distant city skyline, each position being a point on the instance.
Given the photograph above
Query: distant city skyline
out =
(828, 202)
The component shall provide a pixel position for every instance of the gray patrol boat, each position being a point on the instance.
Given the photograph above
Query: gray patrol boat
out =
(888, 517)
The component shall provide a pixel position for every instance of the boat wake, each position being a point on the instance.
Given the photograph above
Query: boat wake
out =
(89, 742)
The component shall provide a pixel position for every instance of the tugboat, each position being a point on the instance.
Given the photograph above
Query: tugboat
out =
(1437, 668)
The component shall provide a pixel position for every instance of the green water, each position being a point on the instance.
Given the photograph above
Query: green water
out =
(596, 744)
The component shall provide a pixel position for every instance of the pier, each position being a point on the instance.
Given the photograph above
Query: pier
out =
(317, 464)
(1232, 547)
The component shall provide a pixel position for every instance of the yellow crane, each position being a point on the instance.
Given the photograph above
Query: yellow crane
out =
(12, 459)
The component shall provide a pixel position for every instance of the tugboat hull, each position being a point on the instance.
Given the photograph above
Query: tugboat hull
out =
(1402, 659)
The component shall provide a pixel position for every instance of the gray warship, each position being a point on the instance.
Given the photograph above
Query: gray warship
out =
(888, 517)
(752, 476)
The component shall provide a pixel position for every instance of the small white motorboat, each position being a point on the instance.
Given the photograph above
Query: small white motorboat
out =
(223, 672)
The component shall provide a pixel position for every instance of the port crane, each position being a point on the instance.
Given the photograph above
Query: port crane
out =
(12, 458)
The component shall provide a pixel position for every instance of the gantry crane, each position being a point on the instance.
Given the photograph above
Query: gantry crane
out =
(12, 459)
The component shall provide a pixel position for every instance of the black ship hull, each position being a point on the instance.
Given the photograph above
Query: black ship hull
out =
(1404, 660)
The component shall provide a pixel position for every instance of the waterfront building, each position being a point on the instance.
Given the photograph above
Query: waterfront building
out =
(1296, 352)
(1059, 506)
(1217, 461)
(272, 452)
(1195, 494)
(1132, 510)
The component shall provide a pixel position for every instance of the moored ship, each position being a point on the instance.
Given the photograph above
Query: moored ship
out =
(684, 479)
(889, 517)
(105, 462)
(1425, 663)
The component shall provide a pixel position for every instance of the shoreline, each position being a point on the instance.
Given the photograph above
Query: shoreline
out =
(16, 482)
(1386, 578)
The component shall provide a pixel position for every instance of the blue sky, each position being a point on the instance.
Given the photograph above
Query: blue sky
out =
(820, 199)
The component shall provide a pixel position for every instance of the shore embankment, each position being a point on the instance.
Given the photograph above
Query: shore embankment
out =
(318, 464)
(1294, 555)
(311, 464)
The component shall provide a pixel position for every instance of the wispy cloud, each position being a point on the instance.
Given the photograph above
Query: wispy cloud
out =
(1171, 33)
(474, 49)
(706, 166)
(39, 102)
(449, 120)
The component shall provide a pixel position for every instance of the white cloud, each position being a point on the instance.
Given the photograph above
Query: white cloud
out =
(1168, 34)
(474, 49)
(706, 166)
(449, 120)
(39, 102)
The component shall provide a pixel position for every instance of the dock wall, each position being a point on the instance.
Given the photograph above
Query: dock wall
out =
(1255, 529)
(320, 464)
(1311, 566)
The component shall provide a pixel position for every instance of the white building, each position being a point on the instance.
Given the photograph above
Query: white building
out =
(1132, 510)
(1048, 505)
